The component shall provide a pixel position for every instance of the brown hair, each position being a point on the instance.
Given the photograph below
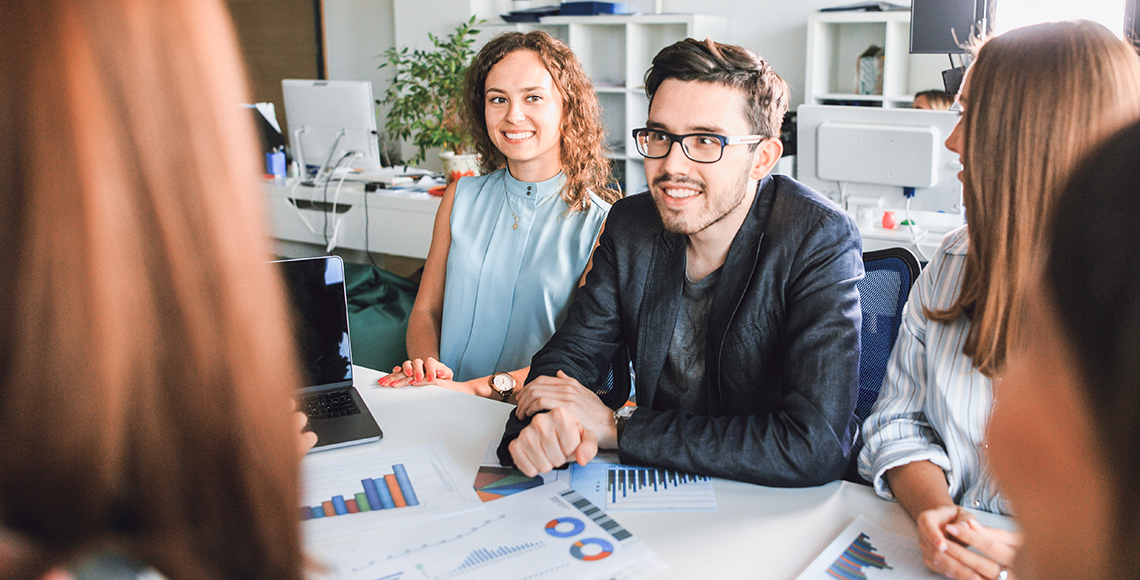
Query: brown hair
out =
(1039, 98)
(1092, 277)
(146, 367)
(938, 100)
(766, 94)
(583, 147)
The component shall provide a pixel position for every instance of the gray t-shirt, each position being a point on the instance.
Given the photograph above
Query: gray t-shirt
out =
(680, 386)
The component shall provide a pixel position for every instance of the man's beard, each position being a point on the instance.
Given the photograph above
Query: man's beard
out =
(716, 204)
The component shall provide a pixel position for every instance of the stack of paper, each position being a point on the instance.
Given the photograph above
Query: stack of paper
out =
(403, 514)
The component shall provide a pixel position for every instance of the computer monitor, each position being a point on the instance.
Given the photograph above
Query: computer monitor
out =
(329, 120)
(945, 26)
(874, 157)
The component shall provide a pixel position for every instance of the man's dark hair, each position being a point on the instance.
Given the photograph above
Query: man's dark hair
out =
(765, 93)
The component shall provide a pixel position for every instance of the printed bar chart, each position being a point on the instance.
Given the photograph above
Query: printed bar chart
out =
(484, 556)
(393, 490)
(632, 488)
(625, 480)
(858, 556)
(865, 551)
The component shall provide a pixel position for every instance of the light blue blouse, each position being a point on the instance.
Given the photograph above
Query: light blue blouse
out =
(508, 289)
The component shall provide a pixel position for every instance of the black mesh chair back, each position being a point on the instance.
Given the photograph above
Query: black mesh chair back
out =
(882, 294)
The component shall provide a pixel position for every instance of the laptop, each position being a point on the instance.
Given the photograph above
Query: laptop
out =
(337, 414)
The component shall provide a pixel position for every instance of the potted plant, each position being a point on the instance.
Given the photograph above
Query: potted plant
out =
(425, 96)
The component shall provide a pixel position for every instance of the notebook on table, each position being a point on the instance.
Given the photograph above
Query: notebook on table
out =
(337, 414)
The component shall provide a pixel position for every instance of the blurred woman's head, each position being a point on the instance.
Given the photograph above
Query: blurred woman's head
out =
(582, 148)
(145, 362)
(1065, 432)
(1035, 101)
(933, 100)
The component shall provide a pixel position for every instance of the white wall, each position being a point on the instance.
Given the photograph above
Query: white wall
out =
(774, 29)
(359, 30)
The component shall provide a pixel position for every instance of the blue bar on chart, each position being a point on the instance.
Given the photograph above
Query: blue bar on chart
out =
(624, 480)
(393, 490)
(484, 556)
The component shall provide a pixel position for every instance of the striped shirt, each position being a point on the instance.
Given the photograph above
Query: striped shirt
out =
(934, 404)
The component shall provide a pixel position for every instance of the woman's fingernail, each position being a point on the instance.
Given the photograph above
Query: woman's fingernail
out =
(952, 529)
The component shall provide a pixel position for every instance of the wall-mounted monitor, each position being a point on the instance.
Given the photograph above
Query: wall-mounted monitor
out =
(872, 156)
(329, 120)
(943, 26)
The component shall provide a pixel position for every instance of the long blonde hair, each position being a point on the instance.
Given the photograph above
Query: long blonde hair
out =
(146, 364)
(1040, 97)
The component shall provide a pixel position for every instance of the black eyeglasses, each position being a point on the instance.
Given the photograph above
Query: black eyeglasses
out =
(699, 147)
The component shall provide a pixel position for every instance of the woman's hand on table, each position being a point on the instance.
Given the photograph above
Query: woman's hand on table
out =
(985, 552)
(945, 536)
(416, 373)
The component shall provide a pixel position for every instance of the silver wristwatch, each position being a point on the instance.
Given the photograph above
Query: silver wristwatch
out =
(621, 415)
(503, 384)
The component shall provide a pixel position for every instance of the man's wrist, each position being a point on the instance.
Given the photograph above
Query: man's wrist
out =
(621, 417)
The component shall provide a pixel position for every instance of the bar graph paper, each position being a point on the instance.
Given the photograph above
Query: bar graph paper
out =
(347, 491)
(865, 551)
(632, 488)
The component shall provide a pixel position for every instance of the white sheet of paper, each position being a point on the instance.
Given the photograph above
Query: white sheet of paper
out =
(433, 475)
(549, 532)
(865, 551)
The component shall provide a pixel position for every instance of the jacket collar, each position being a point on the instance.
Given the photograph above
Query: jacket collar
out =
(663, 287)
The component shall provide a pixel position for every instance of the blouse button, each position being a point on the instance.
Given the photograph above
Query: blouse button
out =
(977, 503)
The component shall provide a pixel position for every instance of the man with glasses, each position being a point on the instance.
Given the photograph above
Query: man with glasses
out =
(732, 291)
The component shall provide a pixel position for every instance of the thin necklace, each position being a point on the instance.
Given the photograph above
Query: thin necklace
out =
(517, 216)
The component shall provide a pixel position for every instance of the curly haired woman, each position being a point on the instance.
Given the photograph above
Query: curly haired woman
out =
(510, 246)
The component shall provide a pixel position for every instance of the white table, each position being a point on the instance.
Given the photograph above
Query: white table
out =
(387, 222)
(756, 532)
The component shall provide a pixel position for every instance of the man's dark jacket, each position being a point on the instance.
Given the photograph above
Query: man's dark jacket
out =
(782, 358)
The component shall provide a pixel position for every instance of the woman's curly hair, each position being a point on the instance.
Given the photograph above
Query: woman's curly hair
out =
(583, 149)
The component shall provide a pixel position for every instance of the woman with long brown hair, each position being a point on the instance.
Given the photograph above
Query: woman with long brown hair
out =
(1065, 432)
(509, 246)
(1033, 103)
(146, 368)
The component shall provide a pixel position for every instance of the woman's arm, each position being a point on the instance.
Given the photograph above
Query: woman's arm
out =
(481, 386)
(425, 320)
(590, 262)
(945, 531)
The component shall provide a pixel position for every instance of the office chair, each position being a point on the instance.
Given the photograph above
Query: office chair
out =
(882, 294)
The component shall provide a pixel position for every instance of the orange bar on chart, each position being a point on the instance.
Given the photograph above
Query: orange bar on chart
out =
(327, 505)
(394, 488)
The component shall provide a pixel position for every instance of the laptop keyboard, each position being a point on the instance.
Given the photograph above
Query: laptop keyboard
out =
(328, 405)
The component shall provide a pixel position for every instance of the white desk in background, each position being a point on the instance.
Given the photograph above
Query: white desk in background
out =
(399, 222)
(756, 532)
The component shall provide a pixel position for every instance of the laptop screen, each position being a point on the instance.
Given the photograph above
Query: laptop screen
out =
(320, 317)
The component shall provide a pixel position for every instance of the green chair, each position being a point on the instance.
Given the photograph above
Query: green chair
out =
(379, 303)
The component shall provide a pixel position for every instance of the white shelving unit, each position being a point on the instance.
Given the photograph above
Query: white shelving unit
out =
(836, 39)
(616, 51)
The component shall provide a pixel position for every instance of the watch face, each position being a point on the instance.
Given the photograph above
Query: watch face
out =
(503, 382)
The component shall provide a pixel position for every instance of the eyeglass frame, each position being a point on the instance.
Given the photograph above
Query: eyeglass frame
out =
(674, 138)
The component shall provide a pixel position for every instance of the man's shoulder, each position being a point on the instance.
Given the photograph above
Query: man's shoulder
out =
(634, 214)
(794, 196)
